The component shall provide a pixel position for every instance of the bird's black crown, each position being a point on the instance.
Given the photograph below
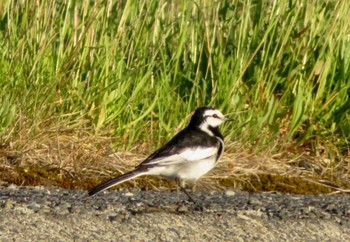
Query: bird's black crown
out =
(198, 116)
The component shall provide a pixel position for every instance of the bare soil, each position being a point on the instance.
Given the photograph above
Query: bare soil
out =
(42, 214)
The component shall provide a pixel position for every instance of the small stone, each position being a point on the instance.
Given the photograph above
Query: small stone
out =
(255, 201)
(62, 211)
(24, 210)
(10, 204)
(66, 205)
(112, 217)
(74, 209)
(34, 206)
(128, 194)
(39, 188)
(12, 186)
(44, 210)
(230, 193)
(182, 209)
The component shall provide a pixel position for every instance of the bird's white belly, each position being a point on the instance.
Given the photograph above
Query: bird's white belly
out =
(190, 170)
(197, 170)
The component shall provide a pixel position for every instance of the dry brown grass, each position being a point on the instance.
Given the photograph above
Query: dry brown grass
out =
(80, 159)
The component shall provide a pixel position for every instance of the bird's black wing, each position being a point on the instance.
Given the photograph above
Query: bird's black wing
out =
(187, 145)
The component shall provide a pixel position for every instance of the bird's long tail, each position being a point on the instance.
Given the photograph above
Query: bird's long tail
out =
(116, 181)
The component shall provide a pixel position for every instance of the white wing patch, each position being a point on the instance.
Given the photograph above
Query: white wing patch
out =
(198, 153)
(189, 154)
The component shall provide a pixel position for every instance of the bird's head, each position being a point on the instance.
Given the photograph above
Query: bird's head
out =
(206, 117)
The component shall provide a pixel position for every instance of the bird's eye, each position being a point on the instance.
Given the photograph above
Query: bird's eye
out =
(215, 116)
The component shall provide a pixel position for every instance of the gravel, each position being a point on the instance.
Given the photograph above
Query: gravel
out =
(47, 214)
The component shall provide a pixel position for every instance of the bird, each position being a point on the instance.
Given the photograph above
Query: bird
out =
(189, 155)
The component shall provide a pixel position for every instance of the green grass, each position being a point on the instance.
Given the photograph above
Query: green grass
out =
(136, 69)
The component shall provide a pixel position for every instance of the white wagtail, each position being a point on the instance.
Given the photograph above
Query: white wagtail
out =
(190, 154)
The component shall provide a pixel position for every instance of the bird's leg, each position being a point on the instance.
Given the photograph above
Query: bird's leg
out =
(178, 182)
(188, 195)
(177, 191)
(182, 186)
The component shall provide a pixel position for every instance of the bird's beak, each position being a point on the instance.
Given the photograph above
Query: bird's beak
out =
(228, 119)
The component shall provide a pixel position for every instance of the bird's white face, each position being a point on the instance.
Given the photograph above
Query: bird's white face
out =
(213, 118)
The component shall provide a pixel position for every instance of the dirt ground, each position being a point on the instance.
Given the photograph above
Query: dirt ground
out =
(42, 214)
